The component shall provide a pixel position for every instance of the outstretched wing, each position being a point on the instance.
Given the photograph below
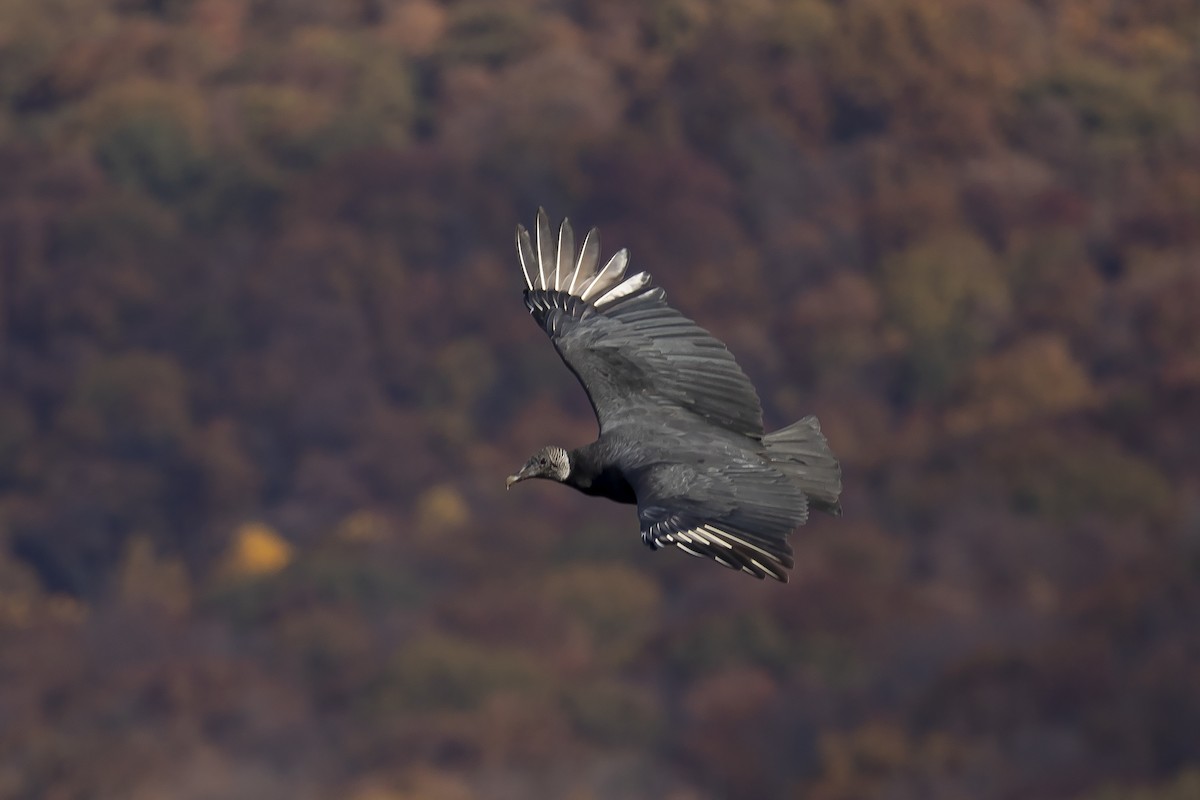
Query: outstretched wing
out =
(738, 515)
(632, 352)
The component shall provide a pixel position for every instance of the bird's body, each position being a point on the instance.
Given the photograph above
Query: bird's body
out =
(600, 469)
(681, 431)
(620, 459)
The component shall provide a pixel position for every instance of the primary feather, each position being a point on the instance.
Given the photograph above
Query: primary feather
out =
(681, 430)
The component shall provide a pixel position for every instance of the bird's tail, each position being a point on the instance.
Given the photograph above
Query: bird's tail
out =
(801, 452)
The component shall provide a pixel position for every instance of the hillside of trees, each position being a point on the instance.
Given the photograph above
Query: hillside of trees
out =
(264, 366)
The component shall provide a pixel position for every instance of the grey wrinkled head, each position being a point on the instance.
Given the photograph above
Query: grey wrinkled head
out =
(550, 462)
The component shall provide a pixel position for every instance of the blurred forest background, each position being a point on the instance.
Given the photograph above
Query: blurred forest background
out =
(264, 366)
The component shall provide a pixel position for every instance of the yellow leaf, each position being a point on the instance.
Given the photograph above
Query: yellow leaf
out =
(442, 507)
(257, 550)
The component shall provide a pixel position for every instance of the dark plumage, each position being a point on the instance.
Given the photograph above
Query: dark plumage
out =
(681, 432)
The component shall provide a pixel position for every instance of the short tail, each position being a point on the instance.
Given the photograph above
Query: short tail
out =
(801, 452)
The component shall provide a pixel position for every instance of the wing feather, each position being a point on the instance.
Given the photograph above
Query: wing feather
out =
(608, 277)
(566, 255)
(589, 259)
(529, 263)
(547, 262)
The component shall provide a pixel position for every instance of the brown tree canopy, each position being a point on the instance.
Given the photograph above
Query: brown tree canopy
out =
(264, 367)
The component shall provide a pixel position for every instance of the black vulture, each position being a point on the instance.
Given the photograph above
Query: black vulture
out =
(681, 431)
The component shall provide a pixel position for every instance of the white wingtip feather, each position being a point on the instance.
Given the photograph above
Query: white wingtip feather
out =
(742, 542)
(606, 277)
(545, 254)
(625, 288)
(525, 254)
(566, 252)
(589, 256)
(555, 266)
(717, 537)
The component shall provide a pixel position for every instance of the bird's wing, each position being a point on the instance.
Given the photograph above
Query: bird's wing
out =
(737, 514)
(632, 352)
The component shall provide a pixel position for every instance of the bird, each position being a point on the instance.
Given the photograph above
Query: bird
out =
(680, 425)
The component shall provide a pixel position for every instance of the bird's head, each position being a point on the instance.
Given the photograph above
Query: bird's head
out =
(549, 462)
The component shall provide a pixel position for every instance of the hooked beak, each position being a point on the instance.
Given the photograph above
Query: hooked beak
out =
(511, 479)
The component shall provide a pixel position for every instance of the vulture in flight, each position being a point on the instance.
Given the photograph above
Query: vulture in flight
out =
(681, 431)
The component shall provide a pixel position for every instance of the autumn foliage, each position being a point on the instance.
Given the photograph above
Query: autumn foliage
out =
(264, 367)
